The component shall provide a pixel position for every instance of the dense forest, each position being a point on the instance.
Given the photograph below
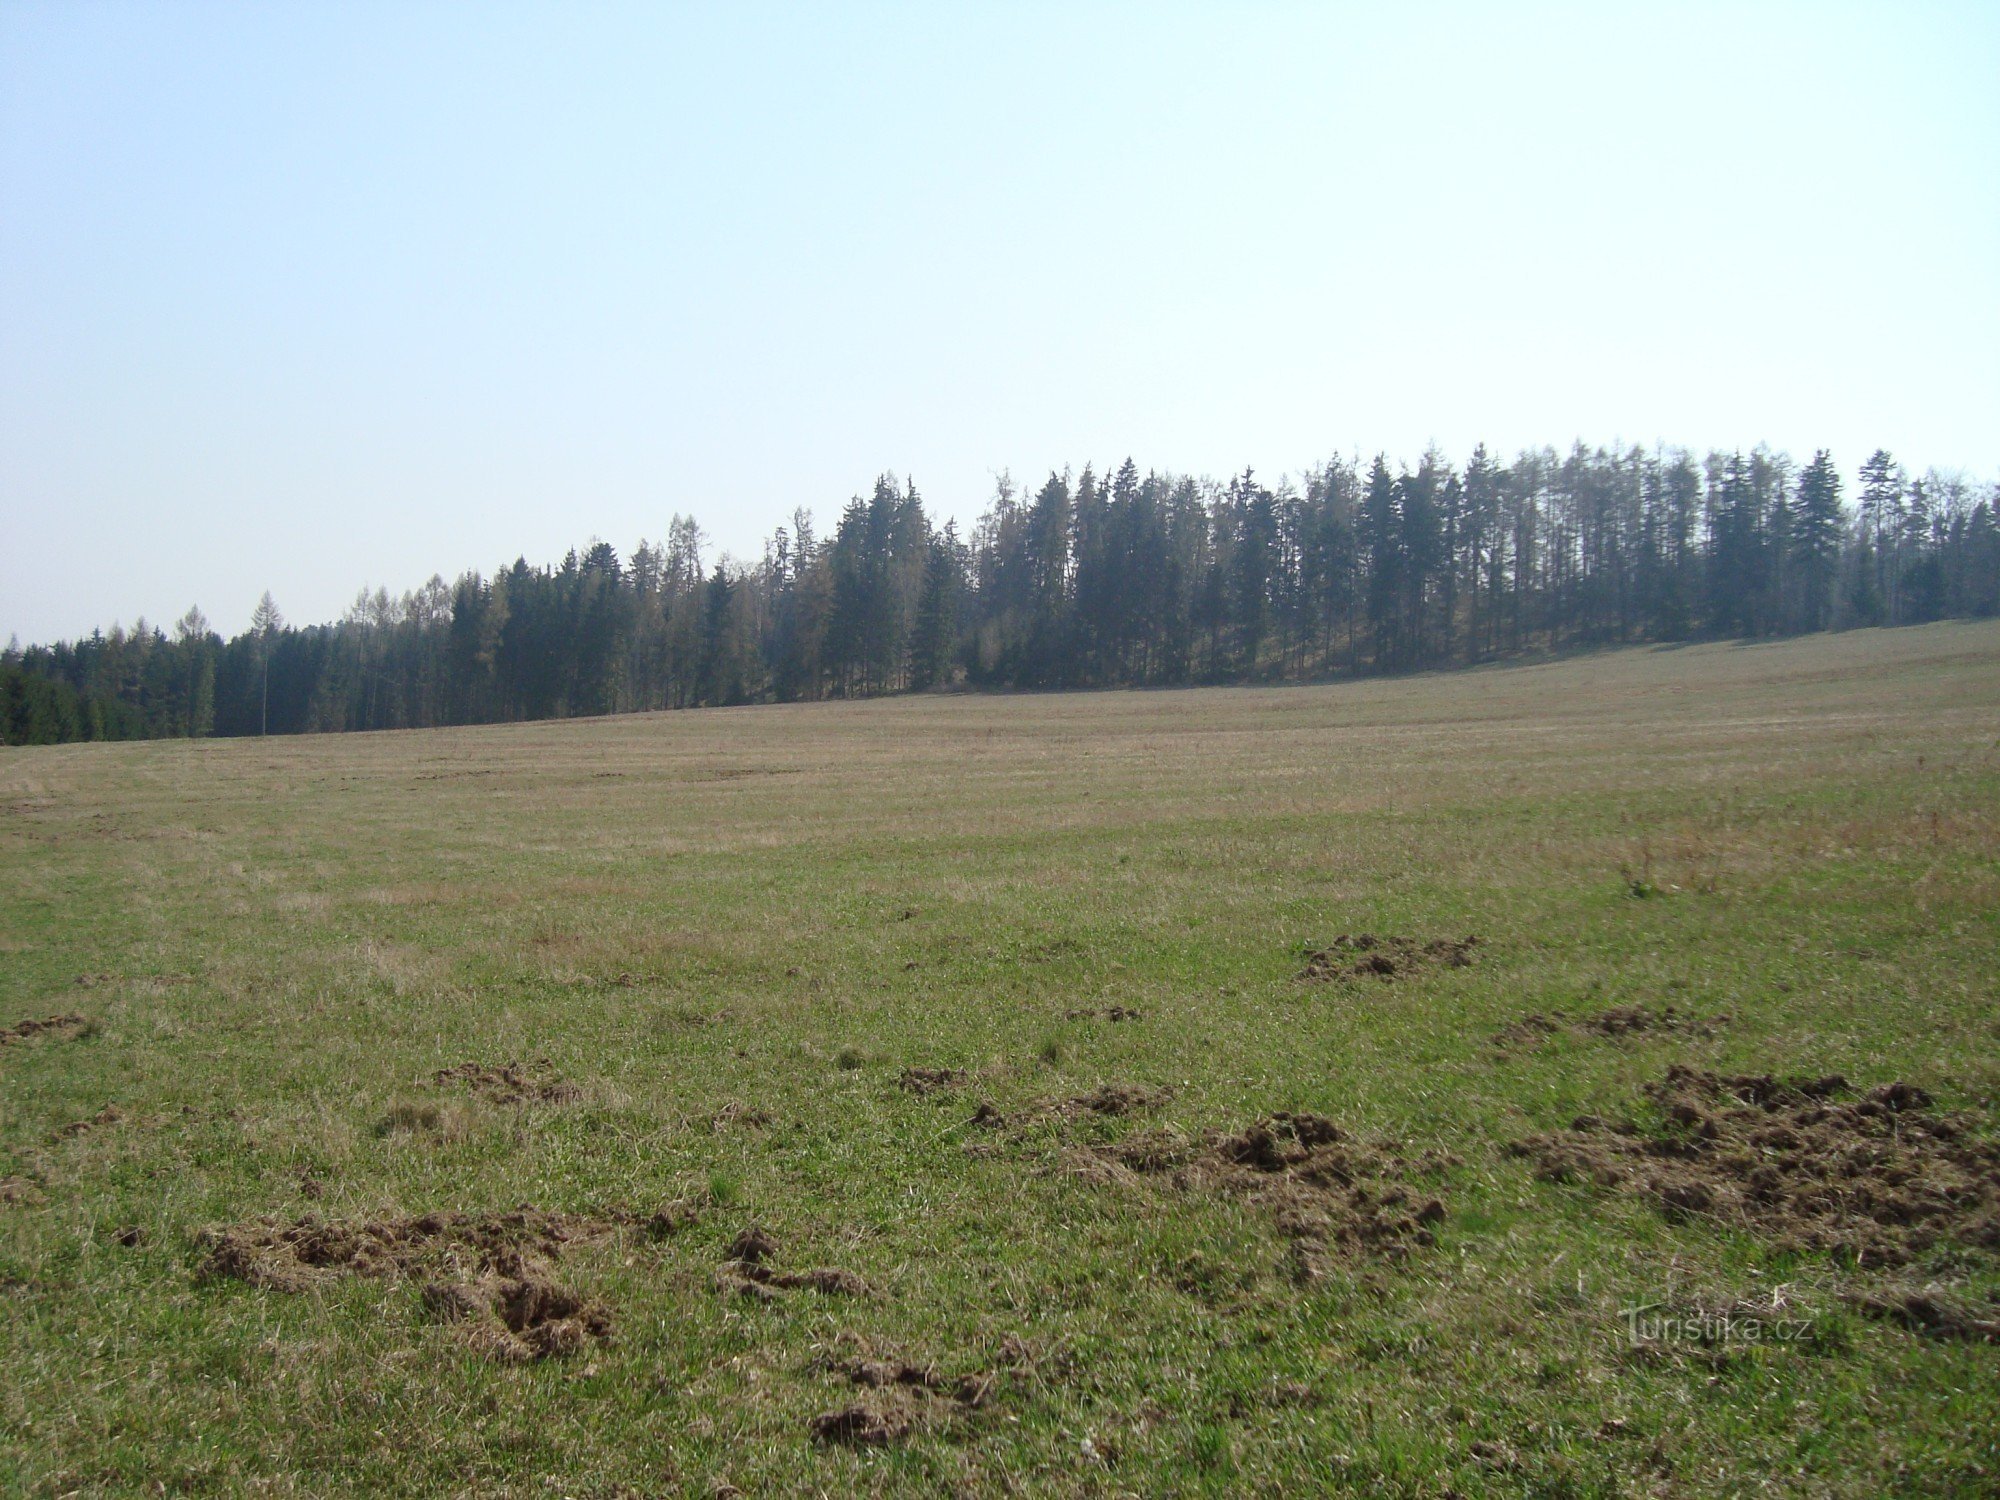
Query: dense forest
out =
(1091, 581)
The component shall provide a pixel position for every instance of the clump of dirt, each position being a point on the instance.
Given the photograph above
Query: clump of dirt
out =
(493, 1271)
(967, 1390)
(111, 1114)
(1112, 1099)
(1366, 955)
(511, 1083)
(1878, 1179)
(738, 1113)
(930, 1080)
(293, 1256)
(517, 1319)
(860, 1426)
(1931, 1312)
(987, 1116)
(1109, 1013)
(1333, 1195)
(904, 1396)
(748, 1272)
(19, 1190)
(753, 1246)
(64, 1027)
(1529, 1032)
(1635, 1020)
(672, 1218)
(1535, 1028)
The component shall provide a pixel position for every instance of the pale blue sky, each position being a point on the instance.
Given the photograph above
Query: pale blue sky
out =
(305, 297)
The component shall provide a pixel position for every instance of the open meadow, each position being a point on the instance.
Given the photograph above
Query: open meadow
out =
(1417, 1086)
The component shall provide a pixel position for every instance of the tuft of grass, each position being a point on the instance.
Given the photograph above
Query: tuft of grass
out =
(441, 1122)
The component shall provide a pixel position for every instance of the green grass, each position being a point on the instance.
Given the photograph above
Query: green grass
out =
(705, 918)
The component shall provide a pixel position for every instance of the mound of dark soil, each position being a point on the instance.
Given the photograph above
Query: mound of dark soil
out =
(62, 1026)
(1877, 1179)
(491, 1270)
(748, 1272)
(1334, 1196)
(1366, 955)
(510, 1083)
(1108, 1013)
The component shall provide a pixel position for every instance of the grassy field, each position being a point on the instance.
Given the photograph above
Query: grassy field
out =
(715, 941)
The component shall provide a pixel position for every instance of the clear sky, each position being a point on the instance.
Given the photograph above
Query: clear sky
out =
(309, 296)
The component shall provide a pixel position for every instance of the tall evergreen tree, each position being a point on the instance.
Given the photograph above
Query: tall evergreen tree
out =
(1815, 540)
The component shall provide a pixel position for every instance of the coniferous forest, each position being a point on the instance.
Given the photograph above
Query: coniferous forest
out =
(1121, 579)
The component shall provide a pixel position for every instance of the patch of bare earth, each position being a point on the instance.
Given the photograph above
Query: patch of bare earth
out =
(748, 1272)
(493, 1272)
(61, 1027)
(511, 1083)
(1333, 1195)
(1877, 1179)
(1108, 1013)
(1367, 955)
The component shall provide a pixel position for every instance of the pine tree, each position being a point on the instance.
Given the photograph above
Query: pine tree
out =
(1382, 544)
(1815, 540)
(1881, 515)
(934, 636)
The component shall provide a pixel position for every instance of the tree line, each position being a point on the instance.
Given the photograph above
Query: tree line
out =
(1120, 579)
